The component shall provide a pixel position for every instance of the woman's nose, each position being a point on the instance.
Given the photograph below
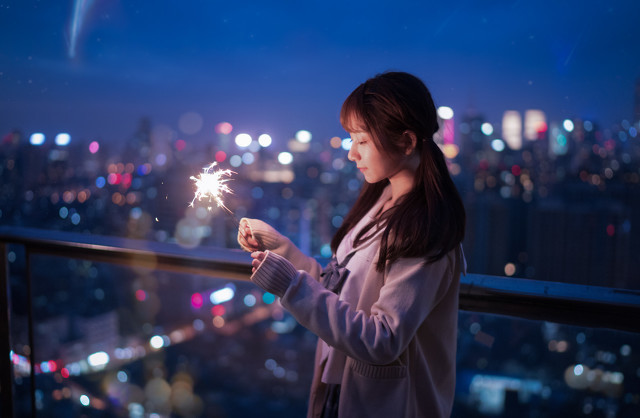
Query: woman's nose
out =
(351, 156)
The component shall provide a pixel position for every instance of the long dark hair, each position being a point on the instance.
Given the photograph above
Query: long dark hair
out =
(429, 221)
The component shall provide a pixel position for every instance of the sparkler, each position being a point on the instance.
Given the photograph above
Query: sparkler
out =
(210, 185)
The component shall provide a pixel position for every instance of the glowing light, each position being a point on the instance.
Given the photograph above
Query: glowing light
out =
(450, 151)
(509, 269)
(264, 140)
(84, 400)
(98, 359)
(224, 128)
(243, 140)
(197, 300)
(487, 128)
(235, 161)
(335, 142)
(180, 144)
(535, 123)
(445, 112)
(94, 146)
(161, 159)
(512, 129)
(346, 144)
(63, 139)
(141, 295)
(156, 342)
(568, 125)
(578, 369)
(248, 158)
(211, 184)
(221, 156)
(285, 158)
(249, 300)
(303, 136)
(36, 139)
(497, 145)
(218, 310)
(222, 295)
(268, 298)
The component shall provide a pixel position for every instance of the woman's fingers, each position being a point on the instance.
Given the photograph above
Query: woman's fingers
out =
(258, 258)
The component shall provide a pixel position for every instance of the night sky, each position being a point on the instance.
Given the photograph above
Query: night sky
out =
(280, 66)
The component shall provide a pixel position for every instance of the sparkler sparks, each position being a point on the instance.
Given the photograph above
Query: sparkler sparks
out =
(211, 184)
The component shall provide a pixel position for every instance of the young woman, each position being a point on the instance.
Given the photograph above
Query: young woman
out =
(385, 309)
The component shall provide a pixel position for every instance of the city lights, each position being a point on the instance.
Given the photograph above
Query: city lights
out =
(94, 146)
(224, 128)
(445, 112)
(497, 145)
(63, 139)
(37, 139)
(303, 136)
(98, 359)
(567, 124)
(243, 140)
(512, 129)
(487, 128)
(222, 295)
(264, 140)
(156, 342)
(285, 158)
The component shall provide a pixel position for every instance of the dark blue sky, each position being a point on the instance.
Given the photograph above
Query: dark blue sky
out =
(281, 66)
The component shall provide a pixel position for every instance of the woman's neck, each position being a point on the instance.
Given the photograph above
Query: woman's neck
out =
(402, 181)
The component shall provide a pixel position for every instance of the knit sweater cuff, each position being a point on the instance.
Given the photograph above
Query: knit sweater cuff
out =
(265, 235)
(274, 274)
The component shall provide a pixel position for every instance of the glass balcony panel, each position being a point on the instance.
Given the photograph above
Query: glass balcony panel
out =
(111, 340)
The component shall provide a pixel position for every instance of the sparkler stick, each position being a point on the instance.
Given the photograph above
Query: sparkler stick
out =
(210, 185)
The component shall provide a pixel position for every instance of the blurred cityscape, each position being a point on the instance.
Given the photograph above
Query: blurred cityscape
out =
(546, 200)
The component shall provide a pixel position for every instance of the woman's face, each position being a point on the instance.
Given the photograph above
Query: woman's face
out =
(375, 165)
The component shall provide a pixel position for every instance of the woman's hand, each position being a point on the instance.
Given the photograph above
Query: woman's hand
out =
(245, 237)
(258, 258)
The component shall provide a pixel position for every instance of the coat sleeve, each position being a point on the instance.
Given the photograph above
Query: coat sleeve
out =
(411, 291)
(272, 240)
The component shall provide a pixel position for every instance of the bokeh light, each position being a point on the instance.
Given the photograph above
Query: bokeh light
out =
(445, 112)
(224, 128)
(264, 140)
(303, 136)
(243, 140)
(568, 125)
(36, 138)
(285, 158)
(498, 145)
(486, 128)
(63, 139)
(94, 146)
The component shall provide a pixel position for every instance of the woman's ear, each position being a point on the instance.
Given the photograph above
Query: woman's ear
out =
(410, 139)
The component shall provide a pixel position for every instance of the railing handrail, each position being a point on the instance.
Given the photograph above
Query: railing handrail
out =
(591, 306)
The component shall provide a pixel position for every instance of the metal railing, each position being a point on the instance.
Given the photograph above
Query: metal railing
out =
(590, 306)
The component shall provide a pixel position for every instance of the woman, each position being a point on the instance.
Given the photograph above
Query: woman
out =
(385, 309)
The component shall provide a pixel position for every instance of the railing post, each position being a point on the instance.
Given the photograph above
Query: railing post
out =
(32, 345)
(6, 365)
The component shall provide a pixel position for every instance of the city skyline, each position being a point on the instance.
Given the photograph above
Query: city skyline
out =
(281, 68)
